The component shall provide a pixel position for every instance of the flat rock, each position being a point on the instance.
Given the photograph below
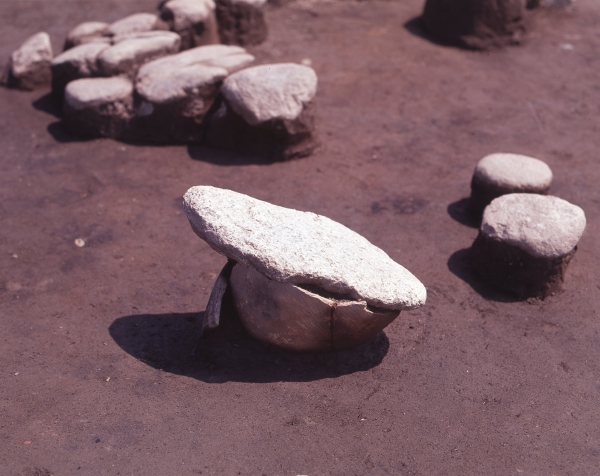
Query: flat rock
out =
(179, 76)
(514, 172)
(98, 107)
(86, 32)
(136, 23)
(544, 226)
(130, 52)
(300, 247)
(274, 91)
(75, 63)
(29, 65)
(92, 92)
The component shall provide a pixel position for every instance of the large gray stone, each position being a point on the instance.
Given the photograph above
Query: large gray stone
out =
(193, 20)
(272, 91)
(300, 247)
(29, 65)
(75, 63)
(87, 32)
(176, 91)
(99, 107)
(131, 51)
(544, 226)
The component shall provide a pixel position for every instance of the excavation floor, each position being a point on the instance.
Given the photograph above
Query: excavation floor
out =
(101, 369)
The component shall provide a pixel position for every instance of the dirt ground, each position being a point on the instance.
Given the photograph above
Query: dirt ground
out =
(101, 371)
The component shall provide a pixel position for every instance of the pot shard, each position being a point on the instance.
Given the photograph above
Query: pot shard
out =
(302, 319)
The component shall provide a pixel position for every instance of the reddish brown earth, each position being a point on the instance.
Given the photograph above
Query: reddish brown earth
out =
(100, 369)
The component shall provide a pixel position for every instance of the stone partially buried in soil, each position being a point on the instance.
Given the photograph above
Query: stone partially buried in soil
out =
(302, 282)
(176, 92)
(98, 107)
(500, 174)
(29, 66)
(241, 22)
(526, 242)
(193, 20)
(266, 110)
(75, 63)
(475, 24)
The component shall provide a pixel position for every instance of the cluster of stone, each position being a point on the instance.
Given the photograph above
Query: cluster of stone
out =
(526, 238)
(299, 281)
(119, 47)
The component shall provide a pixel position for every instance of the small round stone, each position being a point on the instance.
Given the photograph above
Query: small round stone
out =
(526, 242)
(544, 226)
(499, 174)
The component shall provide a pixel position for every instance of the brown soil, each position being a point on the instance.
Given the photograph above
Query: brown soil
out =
(101, 373)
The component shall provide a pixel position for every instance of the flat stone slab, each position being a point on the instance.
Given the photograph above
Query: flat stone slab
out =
(300, 247)
(273, 91)
(130, 52)
(514, 172)
(93, 92)
(179, 76)
(544, 226)
(186, 13)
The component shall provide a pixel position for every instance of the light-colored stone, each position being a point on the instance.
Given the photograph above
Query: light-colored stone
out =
(130, 52)
(80, 58)
(86, 32)
(254, 3)
(29, 65)
(544, 226)
(273, 91)
(186, 13)
(300, 247)
(138, 22)
(185, 74)
(92, 92)
(514, 172)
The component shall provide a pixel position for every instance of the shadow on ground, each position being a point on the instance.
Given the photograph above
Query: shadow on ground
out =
(460, 212)
(171, 342)
(415, 27)
(459, 265)
(224, 157)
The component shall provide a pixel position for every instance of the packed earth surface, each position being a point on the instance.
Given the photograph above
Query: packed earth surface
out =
(104, 283)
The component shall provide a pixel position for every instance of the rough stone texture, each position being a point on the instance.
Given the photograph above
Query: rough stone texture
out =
(499, 174)
(476, 24)
(300, 247)
(75, 63)
(241, 22)
(543, 226)
(29, 65)
(193, 20)
(98, 107)
(212, 314)
(86, 32)
(136, 23)
(130, 52)
(273, 91)
(511, 269)
(303, 320)
(176, 92)
(273, 140)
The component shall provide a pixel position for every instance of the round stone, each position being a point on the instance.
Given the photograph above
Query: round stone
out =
(544, 226)
(499, 174)
(271, 91)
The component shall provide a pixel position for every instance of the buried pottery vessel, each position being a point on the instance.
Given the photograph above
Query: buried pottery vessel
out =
(299, 281)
